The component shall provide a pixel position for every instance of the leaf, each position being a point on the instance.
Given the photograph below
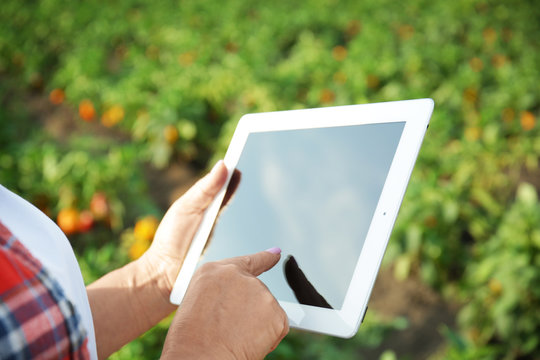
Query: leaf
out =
(526, 194)
(402, 267)
(388, 355)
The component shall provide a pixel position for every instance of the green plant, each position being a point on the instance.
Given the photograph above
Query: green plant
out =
(504, 280)
(167, 82)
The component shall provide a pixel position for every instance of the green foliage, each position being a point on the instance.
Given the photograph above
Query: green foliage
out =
(461, 349)
(199, 66)
(505, 281)
(196, 67)
(300, 345)
(54, 177)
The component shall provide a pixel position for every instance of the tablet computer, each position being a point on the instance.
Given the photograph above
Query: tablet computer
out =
(325, 185)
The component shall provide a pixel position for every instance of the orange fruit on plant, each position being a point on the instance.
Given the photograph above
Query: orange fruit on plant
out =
(339, 53)
(231, 47)
(57, 96)
(527, 120)
(145, 228)
(470, 95)
(187, 58)
(476, 64)
(372, 81)
(430, 221)
(405, 31)
(112, 116)
(68, 220)
(473, 133)
(327, 96)
(353, 28)
(86, 221)
(87, 112)
(498, 60)
(99, 206)
(490, 35)
(170, 132)
(495, 287)
(138, 248)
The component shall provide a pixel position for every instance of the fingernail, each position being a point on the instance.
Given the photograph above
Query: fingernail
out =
(216, 166)
(274, 250)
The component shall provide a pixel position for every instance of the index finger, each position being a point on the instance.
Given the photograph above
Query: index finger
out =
(256, 264)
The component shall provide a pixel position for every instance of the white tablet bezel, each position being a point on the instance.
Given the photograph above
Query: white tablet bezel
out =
(345, 321)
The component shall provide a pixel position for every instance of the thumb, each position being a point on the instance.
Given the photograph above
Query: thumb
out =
(257, 263)
(200, 195)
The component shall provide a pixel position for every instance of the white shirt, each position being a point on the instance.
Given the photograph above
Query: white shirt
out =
(47, 243)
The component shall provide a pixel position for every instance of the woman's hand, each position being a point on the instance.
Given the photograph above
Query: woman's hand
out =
(228, 313)
(128, 301)
(178, 227)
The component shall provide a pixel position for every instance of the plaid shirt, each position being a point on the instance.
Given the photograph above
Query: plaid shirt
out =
(36, 319)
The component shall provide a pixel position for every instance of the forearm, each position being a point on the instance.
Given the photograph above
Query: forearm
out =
(127, 302)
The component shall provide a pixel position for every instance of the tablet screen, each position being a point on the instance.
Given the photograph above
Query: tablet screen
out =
(313, 193)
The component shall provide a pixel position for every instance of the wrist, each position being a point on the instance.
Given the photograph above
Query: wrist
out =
(183, 344)
(158, 278)
(133, 298)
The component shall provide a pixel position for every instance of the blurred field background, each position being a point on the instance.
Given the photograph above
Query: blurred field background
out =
(109, 110)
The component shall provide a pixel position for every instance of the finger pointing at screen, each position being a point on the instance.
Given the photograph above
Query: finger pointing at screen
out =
(220, 294)
(257, 263)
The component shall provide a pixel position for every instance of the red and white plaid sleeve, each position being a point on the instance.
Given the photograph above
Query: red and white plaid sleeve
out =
(37, 321)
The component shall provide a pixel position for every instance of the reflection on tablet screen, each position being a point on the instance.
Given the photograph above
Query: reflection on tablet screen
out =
(313, 193)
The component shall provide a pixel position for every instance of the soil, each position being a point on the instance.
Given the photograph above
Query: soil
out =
(425, 310)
